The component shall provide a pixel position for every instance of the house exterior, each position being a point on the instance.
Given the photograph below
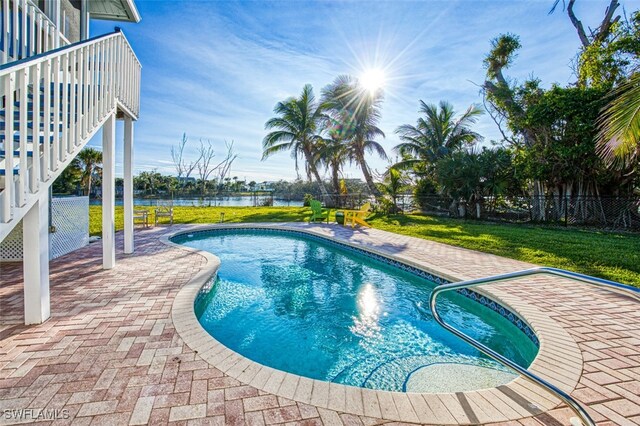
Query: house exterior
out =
(59, 88)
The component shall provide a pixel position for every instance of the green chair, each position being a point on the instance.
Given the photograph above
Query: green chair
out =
(317, 212)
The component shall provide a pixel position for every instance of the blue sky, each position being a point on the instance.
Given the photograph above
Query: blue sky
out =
(215, 69)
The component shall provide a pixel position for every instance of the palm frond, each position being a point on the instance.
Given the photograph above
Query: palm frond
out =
(619, 136)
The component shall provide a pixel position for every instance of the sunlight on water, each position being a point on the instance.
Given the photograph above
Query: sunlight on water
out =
(366, 324)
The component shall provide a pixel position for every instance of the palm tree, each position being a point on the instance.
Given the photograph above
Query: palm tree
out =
(436, 135)
(619, 136)
(357, 110)
(89, 160)
(333, 153)
(392, 186)
(298, 125)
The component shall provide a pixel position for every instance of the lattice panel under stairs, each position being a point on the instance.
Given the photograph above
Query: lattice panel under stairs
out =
(69, 217)
(11, 247)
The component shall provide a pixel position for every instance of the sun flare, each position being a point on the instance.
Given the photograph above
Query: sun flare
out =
(372, 80)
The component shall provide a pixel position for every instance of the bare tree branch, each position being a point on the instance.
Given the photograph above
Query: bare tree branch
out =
(207, 154)
(223, 168)
(497, 118)
(176, 155)
(578, 24)
(607, 22)
(183, 169)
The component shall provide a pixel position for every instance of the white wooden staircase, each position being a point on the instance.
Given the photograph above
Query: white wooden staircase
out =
(51, 105)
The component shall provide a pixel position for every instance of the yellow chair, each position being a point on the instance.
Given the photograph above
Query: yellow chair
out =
(357, 216)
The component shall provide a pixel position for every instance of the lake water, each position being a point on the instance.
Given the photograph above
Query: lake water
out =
(238, 201)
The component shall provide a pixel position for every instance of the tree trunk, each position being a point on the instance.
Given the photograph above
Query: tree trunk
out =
(335, 180)
(538, 202)
(367, 175)
(314, 171)
(88, 188)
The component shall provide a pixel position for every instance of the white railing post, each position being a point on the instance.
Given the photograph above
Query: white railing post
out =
(6, 34)
(73, 96)
(35, 175)
(32, 32)
(55, 155)
(64, 108)
(23, 33)
(45, 36)
(92, 88)
(46, 118)
(85, 90)
(78, 96)
(39, 35)
(22, 155)
(103, 62)
(7, 193)
(14, 36)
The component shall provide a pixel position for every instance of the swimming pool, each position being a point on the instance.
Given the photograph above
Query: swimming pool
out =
(313, 308)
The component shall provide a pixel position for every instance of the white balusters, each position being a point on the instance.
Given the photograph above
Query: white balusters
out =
(73, 142)
(27, 31)
(78, 95)
(85, 95)
(35, 176)
(64, 151)
(73, 92)
(55, 155)
(46, 122)
(6, 33)
(7, 193)
(9, 145)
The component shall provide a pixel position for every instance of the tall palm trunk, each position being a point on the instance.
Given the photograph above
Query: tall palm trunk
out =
(314, 172)
(367, 175)
(88, 171)
(87, 188)
(335, 181)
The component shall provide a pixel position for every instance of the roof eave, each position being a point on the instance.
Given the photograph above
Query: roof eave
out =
(129, 8)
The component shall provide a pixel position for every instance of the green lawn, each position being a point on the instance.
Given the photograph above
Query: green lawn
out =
(607, 255)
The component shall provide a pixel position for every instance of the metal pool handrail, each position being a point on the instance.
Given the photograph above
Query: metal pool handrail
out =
(598, 282)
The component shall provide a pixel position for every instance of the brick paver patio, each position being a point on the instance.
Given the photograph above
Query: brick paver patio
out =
(110, 353)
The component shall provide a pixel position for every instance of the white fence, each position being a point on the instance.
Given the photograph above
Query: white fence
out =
(69, 218)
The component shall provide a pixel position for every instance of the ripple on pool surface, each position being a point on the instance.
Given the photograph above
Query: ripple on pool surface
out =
(319, 311)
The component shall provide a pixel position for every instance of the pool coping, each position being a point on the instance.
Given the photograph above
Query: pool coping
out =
(559, 360)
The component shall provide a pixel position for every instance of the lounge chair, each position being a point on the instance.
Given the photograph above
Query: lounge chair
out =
(164, 209)
(317, 212)
(357, 216)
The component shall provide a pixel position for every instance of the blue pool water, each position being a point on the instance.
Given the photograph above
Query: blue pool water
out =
(315, 309)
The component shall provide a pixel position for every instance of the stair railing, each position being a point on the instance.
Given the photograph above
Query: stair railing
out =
(57, 101)
(533, 378)
(28, 32)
